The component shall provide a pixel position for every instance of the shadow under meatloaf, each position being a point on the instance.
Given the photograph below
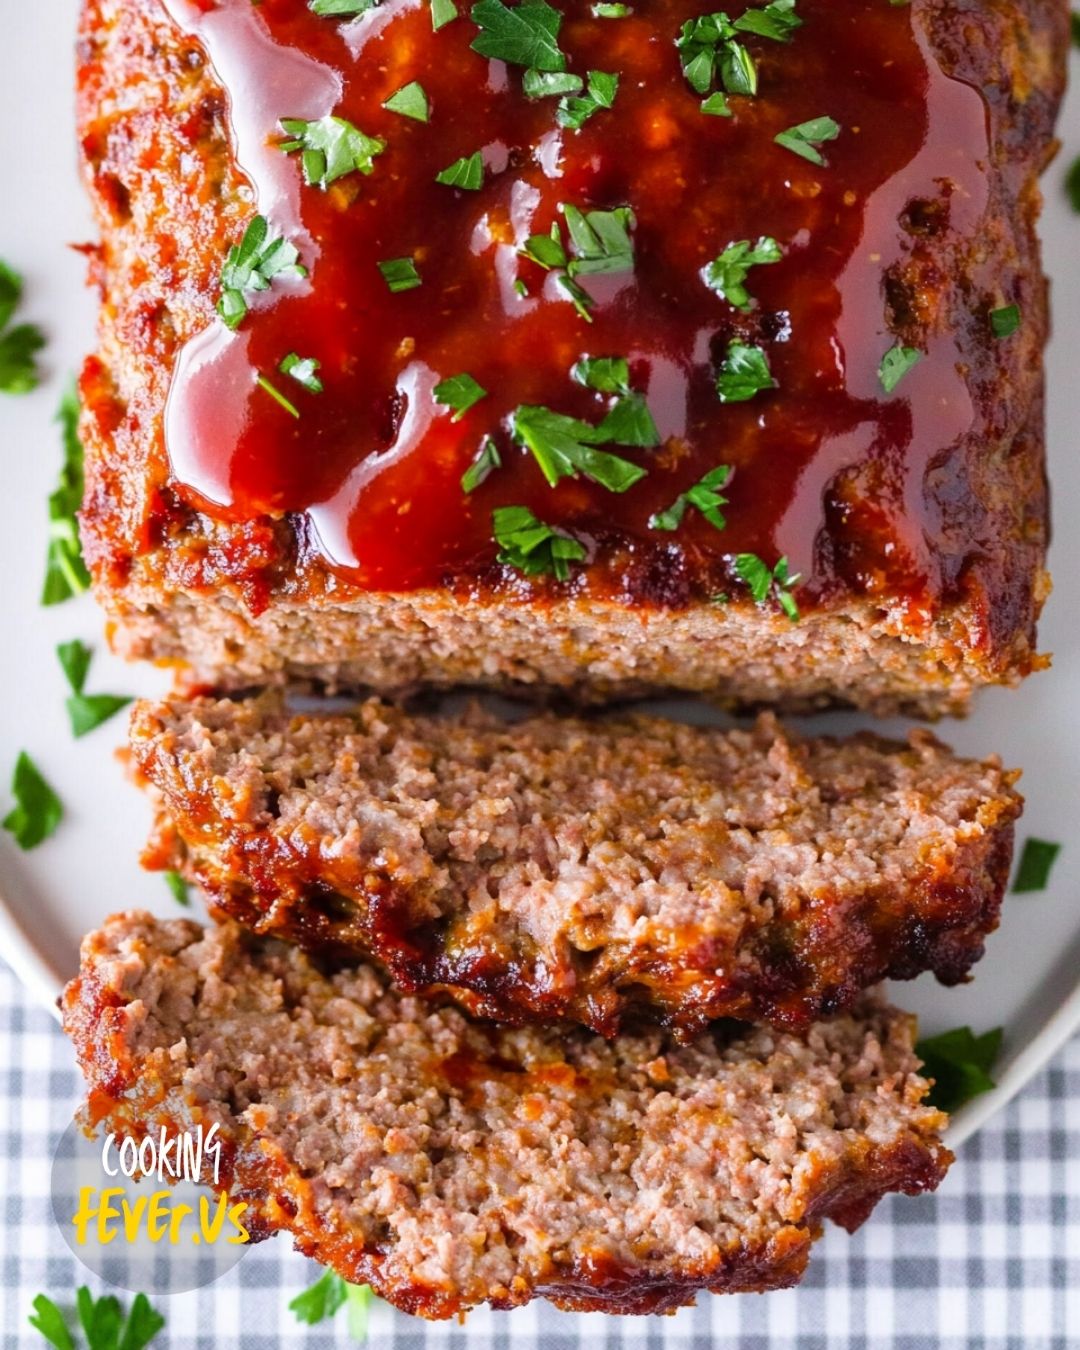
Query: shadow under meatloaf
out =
(450, 1163)
(566, 869)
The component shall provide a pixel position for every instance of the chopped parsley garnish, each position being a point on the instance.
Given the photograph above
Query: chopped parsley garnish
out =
(744, 373)
(102, 1320)
(959, 1062)
(304, 370)
(1072, 184)
(179, 888)
(276, 394)
(895, 364)
(707, 45)
(400, 274)
(777, 20)
(252, 265)
(727, 274)
(1005, 321)
(1074, 23)
(347, 7)
(764, 583)
(65, 572)
(628, 420)
(459, 392)
(565, 446)
(549, 83)
(410, 101)
(704, 496)
(575, 109)
(525, 34)
(532, 546)
(18, 345)
(1036, 860)
(467, 172)
(37, 811)
(600, 241)
(805, 138)
(611, 11)
(442, 13)
(716, 105)
(86, 712)
(483, 466)
(328, 1295)
(330, 148)
(605, 374)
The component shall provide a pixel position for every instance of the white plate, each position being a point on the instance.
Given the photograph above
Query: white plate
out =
(1030, 979)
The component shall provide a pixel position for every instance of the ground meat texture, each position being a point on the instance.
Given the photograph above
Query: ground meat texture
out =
(560, 868)
(918, 520)
(450, 1163)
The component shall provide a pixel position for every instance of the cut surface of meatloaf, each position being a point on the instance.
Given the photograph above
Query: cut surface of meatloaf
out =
(556, 868)
(678, 419)
(450, 1162)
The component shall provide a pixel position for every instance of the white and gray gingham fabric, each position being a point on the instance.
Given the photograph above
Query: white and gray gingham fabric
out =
(992, 1262)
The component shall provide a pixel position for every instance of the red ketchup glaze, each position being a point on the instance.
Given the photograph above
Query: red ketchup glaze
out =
(375, 464)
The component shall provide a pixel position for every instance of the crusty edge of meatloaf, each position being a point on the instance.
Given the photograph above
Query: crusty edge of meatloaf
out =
(133, 1025)
(248, 603)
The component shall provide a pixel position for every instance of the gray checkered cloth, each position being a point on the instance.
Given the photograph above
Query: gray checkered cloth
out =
(993, 1260)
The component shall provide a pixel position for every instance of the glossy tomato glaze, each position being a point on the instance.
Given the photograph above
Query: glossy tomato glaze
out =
(375, 463)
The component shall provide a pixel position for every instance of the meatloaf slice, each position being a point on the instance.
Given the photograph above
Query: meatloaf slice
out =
(284, 497)
(559, 868)
(451, 1162)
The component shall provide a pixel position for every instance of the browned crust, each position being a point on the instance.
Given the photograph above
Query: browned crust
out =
(134, 1082)
(168, 196)
(274, 815)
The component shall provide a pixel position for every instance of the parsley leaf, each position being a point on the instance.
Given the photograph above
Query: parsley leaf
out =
(564, 447)
(533, 547)
(628, 421)
(575, 110)
(411, 100)
(716, 105)
(86, 712)
(252, 265)
(65, 572)
(442, 13)
(483, 466)
(600, 241)
(777, 20)
(459, 392)
(605, 374)
(805, 138)
(1072, 184)
(331, 148)
(1005, 321)
(179, 888)
(707, 47)
(38, 810)
(606, 10)
(276, 394)
(763, 583)
(1037, 859)
(303, 369)
(895, 364)
(744, 373)
(102, 1320)
(726, 274)
(547, 83)
(400, 274)
(959, 1062)
(704, 496)
(18, 345)
(526, 34)
(350, 7)
(467, 172)
(321, 1301)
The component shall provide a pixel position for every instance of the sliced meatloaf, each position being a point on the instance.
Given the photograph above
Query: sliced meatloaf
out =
(425, 459)
(450, 1162)
(559, 868)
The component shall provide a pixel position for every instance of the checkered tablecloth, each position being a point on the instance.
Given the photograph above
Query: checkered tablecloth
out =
(993, 1260)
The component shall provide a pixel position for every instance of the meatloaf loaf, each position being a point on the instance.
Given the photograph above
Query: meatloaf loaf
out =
(557, 868)
(550, 348)
(449, 1162)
